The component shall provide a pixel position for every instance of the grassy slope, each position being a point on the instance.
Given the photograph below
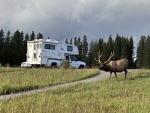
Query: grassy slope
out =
(20, 79)
(130, 96)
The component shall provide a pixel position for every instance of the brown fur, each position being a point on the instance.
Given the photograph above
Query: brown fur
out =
(115, 66)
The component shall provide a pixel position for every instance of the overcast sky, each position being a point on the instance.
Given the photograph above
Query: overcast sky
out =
(61, 19)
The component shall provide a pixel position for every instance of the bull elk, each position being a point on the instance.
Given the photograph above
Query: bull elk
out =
(113, 66)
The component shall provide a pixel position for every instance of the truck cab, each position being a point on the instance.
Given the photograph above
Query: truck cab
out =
(75, 63)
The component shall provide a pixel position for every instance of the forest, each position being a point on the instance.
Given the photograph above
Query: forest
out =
(13, 49)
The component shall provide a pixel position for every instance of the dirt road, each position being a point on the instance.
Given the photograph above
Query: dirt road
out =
(102, 75)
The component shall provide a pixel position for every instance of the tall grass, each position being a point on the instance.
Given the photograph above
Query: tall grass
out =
(130, 96)
(20, 79)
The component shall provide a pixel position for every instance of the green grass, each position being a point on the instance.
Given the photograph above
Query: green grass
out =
(20, 79)
(130, 96)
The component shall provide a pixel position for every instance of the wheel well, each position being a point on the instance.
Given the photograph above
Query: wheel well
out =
(54, 64)
(81, 66)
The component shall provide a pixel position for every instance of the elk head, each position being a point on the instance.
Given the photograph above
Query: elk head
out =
(103, 65)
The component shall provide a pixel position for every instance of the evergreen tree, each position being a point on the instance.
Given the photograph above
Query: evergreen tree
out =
(32, 36)
(117, 47)
(25, 46)
(140, 52)
(7, 49)
(110, 45)
(79, 45)
(66, 41)
(84, 48)
(105, 54)
(90, 60)
(130, 52)
(98, 46)
(75, 41)
(1, 46)
(70, 41)
(124, 48)
(39, 36)
(147, 53)
(17, 47)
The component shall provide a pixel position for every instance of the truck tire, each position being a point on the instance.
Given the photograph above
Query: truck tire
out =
(81, 67)
(54, 65)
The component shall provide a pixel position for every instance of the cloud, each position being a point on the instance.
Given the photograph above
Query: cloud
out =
(62, 19)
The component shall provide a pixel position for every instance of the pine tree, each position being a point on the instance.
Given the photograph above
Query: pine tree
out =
(110, 45)
(84, 48)
(140, 52)
(32, 36)
(75, 41)
(39, 36)
(90, 61)
(17, 47)
(130, 52)
(66, 41)
(105, 54)
(25, 46)
(125, 48)
(70, 41)
(79, 45)
(7, 49)
(1, 46)
(117, 47)
(147, 53)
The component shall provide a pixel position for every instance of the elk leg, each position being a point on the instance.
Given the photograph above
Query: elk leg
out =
(125, 70)
(116, 76)
(110, 75)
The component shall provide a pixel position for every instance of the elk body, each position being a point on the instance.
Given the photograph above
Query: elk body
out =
(113, 66)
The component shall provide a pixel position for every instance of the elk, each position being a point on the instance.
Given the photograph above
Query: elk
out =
(113, 66)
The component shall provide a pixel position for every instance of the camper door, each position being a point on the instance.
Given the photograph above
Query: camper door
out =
(35, 51)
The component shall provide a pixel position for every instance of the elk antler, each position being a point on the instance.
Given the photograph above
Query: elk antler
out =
(99, 56)
(112, 54)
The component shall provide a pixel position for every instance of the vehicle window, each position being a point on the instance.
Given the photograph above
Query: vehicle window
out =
(34, 46)
(48, 46)
(69, 48)
(52, 47)
(37, 46)
(67, 58)
(73, 59)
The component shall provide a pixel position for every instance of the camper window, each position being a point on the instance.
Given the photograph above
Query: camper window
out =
(69, 48)
(37, 46)
(52, 47)
(48, 46)
(34, 46)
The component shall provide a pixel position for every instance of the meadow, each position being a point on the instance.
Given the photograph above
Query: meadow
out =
(20, 79)
(126, 96)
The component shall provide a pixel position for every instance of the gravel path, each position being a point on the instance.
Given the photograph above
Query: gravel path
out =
(102, 75)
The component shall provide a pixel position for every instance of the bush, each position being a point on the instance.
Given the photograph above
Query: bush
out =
(65, 64)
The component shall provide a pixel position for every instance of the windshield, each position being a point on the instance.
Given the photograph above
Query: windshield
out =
(73, 58)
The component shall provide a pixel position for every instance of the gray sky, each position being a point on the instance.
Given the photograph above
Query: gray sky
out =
(61, 19)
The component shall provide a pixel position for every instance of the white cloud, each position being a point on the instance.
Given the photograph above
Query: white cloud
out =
(70, 18)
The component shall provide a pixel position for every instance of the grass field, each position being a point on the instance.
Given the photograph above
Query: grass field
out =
(20, 79)
(130, 96)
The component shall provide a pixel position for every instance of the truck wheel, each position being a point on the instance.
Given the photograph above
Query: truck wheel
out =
(54, 65)
(81, 67)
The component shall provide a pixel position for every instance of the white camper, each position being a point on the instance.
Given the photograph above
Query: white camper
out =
(50, 52)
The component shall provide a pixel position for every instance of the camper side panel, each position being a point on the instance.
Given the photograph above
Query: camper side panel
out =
(33, 53)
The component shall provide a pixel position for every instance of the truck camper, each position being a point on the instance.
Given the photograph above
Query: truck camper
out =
(51, 53)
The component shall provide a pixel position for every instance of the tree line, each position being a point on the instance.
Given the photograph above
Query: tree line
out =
(122, 46)
(143, 52)
(13, 49)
